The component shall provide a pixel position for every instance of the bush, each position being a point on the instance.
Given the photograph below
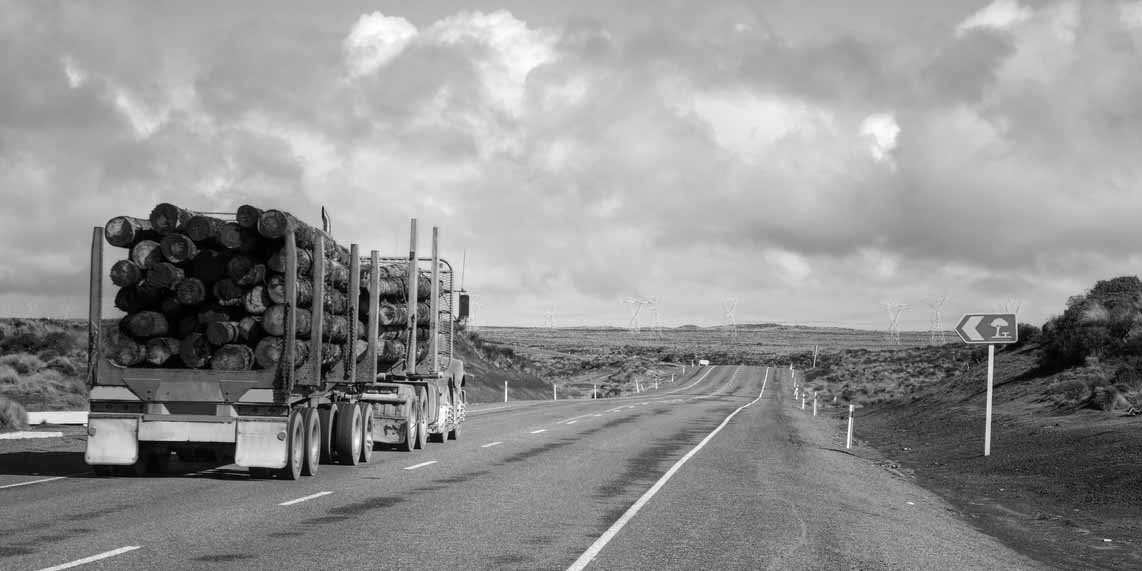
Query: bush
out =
(8, 375)
(1072, 392)
(1107, 398)
(1101, 323)
(23, 363)
(12, 415)
(64, 365)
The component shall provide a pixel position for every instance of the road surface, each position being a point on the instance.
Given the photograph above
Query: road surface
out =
(718, 470)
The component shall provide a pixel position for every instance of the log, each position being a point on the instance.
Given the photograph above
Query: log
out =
(233, 357)
(390, 314)
(228, 293)
(275, 287)
(160, 349)
(330, 355)
(392, 288)
(335, 328)
(145, 324)
(389, 351)
(257, 300)
(126, 273)
(250, 329)
(212, 313)
(335, 302)
(187, 324)
(164, 275)
(194, 350)
(202, 228)
(124, 351)
(209, 265)
(234, 237)
(360, 347)
(167, 218)
(178, 248)
(274, 321)
(125, 231)
(392, 270)
(190, 291)
(171, 308)
(268, 352)
(222, 332)
(245, 270)
(274, 224)
(247, 216)
(146, 254)
(336, 274)
(277, 262)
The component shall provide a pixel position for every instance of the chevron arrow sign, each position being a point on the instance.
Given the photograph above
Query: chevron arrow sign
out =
(987, 328)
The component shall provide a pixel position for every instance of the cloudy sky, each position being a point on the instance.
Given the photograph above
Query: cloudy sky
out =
(810, 159)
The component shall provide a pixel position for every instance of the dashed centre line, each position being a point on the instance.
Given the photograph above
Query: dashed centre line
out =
(93, 558)
(538, 431)
(421, 465)
(491, 444)
(305, 499)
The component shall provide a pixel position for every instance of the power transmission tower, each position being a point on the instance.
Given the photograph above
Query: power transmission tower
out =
(936, 328)
(549, 318)
(656, 317)
(1013, 305)
(894, 310)
(728, 307)
(638, 303)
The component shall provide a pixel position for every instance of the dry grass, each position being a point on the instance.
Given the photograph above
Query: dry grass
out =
(12, 415)
(42, 362)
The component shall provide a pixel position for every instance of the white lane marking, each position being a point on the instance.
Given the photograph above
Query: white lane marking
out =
(572, 421)
(421, 465)
(87, 560)
(598, 415)
(32, 482)
(538, 431)
(599, 544)
(491, 444)
(305, 499)
(573, 418)
(704, 375)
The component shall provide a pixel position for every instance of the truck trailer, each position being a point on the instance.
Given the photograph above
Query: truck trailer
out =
(366, 363)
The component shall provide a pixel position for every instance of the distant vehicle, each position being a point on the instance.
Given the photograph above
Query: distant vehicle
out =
(704, 363)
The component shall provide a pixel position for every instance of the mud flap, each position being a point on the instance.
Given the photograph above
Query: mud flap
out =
(261, 444)
(112, 441)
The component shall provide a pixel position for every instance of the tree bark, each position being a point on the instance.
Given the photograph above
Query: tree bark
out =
(195, 350)
(190, 291)
(233, 357)
(234, 237)
(336, 274)
(245, 270)
(336, 328)
(126, 273)
(164, 275)
(269, 352)
(187, 324)
(392, 288)
(335, 302)
(170, 307)
(274, 321)
(167, 218)
(125, 231)
(274, 224)
(275, 287)
(277, 262)
(124, 351)
(250, 329)
(146, 253)
(178, 248)
(212, 313)
(145, 324)
(160, 349)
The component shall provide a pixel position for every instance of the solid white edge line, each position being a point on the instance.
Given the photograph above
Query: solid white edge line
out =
(491, 444)
(538, 431)
(305, 499)
(421, 465)
(87, 560)
(596, 547)
(18, 484)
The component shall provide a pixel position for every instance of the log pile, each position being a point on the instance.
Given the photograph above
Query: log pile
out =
(202, 292)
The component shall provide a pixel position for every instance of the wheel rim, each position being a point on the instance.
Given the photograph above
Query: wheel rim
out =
(357, 429)
(367, 432)
(297, 446)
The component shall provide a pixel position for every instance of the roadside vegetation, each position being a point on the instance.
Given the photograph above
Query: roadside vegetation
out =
(42, 362)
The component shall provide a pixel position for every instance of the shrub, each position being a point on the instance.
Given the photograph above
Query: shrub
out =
(1107, 398)
(23, 363)
(8, 375)
(1072, 392)
(64, 365)
(12, 415)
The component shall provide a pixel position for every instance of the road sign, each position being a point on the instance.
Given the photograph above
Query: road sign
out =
(988, 328)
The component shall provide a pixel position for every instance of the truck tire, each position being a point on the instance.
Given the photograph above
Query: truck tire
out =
(412, 427)
(295, 447)
(454, 434)
(422, 429)
(313, 448)
(349, 435)
(327, 414)
(366, 432)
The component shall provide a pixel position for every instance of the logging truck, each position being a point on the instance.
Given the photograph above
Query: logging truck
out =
(254, 338)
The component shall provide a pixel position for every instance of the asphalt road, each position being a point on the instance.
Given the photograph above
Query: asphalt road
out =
(711, 472)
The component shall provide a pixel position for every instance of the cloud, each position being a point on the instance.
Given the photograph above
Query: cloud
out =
(375, 40)
(1000, 15)
(883, 130)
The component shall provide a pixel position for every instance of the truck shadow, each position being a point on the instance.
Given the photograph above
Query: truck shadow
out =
(43, 464)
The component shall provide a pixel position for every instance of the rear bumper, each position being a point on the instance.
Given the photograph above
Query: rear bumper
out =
(113, 439)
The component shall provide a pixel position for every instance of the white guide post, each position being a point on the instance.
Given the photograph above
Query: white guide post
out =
(554, 392)
(990, 378)
(849, 439)
(802, 401)
(814, 403)
(594, 391)
(505, 391)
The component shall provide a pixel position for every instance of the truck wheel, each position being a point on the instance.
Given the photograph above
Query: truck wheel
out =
(454, 434)
(366, 432)
(422, 430)
(312, 421)
(412, 427)
(328, 421)
(295, 447)
(349, 435)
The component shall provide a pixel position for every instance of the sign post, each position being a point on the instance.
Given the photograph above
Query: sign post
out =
(989, 329)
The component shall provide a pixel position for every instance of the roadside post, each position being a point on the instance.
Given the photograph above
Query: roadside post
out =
(554, 392)
(594, 391)
(814, 403)
(849, 438)
(990, 329)
(505, 391)
(815, 347)
(802, 400)
(656, 383)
